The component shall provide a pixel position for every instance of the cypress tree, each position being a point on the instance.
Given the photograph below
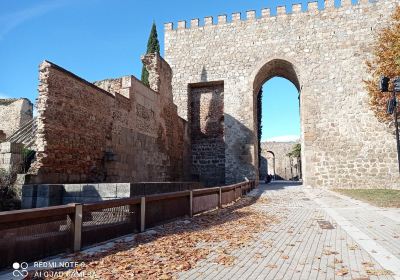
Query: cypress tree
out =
(259, 124)
(153, 46)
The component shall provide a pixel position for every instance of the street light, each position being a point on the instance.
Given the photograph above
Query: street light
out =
(392, 106)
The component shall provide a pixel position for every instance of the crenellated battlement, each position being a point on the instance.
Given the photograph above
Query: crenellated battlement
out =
(251, 15)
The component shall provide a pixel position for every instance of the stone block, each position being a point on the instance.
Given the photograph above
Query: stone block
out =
(90, 190)
(123, 190)
(221, 19)
(236, 17)
(281, 10)
(10, 147)
(182, 24)
(71, 199)
(296, 8)
(50, 191)
(208, 21)
(28, 202)
(72, 190)
(168, 26)
(251, 15)
(137, 189)
(107, 190)
(29, 190)
(194, 23)
(89, 199)
(265, 12)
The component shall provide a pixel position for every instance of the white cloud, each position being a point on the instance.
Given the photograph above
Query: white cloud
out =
(11, 20)
(284, 138)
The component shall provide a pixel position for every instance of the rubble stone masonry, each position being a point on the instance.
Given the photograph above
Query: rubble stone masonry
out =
(207, 133)
(112, 131)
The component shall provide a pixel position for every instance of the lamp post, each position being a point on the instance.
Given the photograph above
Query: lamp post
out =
(392, 106)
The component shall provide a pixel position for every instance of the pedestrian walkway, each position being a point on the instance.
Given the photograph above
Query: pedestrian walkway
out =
(320, 236)
(286, 231)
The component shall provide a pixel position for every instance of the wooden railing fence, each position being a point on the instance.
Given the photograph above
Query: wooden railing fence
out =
(32, 234)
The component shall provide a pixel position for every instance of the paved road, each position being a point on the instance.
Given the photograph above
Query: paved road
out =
(321, 235)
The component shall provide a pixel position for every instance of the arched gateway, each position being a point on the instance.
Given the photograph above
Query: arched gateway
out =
(219, 67)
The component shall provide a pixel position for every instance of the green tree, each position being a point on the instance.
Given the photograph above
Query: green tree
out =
(153, 46)
(295, 154)
(296, 151)
(259, 127)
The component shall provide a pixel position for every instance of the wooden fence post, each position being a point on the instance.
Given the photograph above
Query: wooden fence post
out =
(142, 213)
(191, 203)
(77, 227)
(220, 198)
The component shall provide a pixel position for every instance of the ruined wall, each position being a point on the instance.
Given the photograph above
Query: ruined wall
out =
(13, 114)
(87, 134)
(207, 133)
(282, 162)
(323, 52)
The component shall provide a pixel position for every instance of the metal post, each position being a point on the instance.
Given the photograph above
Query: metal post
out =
(77, 227)
(142, 214)
(220, 198)
(397, 128)
(191, 204)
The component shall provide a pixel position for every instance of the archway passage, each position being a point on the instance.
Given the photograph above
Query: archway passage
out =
(277, 96)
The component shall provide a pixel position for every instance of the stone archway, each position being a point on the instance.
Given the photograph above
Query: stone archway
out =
(342, 140)
(276, 67)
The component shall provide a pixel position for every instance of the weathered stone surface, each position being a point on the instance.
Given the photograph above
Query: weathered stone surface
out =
(11, 157)
(115, 130)
(323, 52)
(13, 114)
(207, 133)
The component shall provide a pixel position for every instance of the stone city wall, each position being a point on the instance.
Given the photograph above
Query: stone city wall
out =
(282, 162)
(323, 52)
(13, 114)
(129, 133)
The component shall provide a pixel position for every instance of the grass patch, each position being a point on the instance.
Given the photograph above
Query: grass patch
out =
(378, 197)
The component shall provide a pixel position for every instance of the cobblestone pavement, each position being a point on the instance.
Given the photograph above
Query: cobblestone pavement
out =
(320, 235)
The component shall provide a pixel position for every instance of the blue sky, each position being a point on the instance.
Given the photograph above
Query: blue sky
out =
(98, 39)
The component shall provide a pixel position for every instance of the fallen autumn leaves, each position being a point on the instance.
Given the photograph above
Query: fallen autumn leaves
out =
(179, 245)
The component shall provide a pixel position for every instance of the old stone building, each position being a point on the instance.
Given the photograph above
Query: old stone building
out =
(323, 53)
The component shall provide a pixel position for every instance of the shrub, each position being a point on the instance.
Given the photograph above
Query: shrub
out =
(386, 62)
(9, 197)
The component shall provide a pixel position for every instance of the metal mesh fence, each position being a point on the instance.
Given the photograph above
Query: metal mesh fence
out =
(103, 224)
(34, 241)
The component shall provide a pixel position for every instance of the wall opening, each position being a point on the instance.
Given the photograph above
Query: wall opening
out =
(277, 97)
(206, 117)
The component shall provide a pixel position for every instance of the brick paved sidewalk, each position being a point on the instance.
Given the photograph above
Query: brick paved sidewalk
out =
(320, 236)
